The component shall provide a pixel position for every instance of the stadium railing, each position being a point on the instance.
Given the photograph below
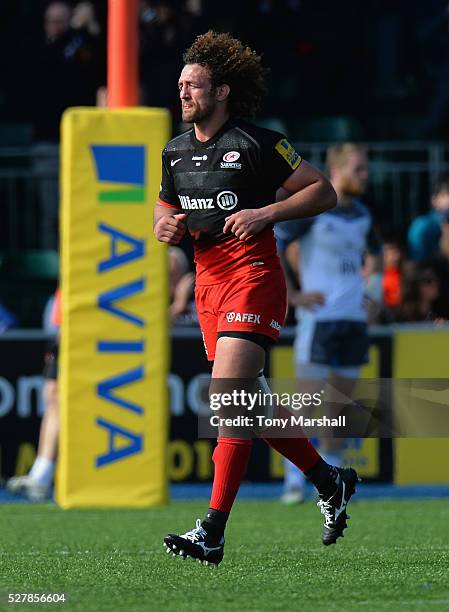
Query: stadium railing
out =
(27, 280)
(401, 177)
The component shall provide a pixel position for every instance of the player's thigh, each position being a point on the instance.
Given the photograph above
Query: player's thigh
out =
(345, 378)
(237, 358)
(207, 318)
(311, 377)
(237, 363)
(251, 312)
(311, 371)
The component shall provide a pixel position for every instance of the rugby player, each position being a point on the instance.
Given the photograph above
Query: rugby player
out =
(37, 484)
(331, 342)
(219, 182)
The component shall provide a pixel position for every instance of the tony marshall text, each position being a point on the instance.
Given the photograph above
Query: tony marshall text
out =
(292, 421)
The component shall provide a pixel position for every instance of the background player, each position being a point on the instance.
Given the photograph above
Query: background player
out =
(331, 341)
(37, 484)
(219, 180)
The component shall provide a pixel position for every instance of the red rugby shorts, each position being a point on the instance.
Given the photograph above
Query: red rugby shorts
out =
(253, 303)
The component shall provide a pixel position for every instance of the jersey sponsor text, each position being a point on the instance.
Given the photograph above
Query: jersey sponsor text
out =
(284, 148)
(188, 203)
(243, 317)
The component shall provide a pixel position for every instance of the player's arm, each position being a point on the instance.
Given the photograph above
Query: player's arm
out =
(373, 263)
(295, 296)
(291, 273)
(287, 235)
(373, 266)
(309, 193)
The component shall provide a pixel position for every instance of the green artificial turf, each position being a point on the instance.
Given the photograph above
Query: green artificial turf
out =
(395, 556)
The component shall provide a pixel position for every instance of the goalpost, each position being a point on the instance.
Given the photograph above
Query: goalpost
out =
(114, 335)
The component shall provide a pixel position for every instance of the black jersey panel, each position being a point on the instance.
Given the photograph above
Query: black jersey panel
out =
(241, 167)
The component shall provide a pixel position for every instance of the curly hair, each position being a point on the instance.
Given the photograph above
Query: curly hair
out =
(230, 62)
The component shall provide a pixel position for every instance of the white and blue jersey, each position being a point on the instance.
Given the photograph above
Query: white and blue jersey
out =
(331, 256)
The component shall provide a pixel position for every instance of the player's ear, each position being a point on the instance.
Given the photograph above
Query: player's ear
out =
(222, 92)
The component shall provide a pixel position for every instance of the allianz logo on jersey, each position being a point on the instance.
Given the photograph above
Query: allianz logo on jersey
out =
(230, 160)
(226, 200)
(195, 203)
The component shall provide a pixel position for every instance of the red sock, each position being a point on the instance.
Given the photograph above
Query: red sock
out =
(230, 457)
(298, 450)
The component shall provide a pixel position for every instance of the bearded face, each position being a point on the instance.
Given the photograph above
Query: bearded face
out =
(354, 174)
(198, 101)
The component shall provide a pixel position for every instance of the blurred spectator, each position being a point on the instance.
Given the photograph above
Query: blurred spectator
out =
(93, 52)
(393, 257)
(195, 10)
(425, 232)
(384, 309)
(67, 71)
(84, 18)
(182, 283)
(66, 66)
(422, 294)
(442, 261)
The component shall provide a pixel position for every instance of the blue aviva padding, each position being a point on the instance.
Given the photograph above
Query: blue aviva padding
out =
(120, 163)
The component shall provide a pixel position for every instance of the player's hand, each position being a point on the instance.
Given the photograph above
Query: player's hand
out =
(245, 223)
(306, 300)
(171, 228)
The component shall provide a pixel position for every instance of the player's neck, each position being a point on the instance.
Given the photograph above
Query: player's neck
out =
(207, 129)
